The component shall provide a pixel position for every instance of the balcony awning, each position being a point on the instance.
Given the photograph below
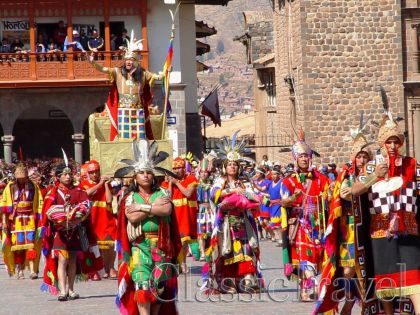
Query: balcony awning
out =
(264, 62)
(201, 66)
(203, 30)
(201, 48)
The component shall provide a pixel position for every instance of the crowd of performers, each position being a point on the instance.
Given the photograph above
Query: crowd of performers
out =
(344, 237)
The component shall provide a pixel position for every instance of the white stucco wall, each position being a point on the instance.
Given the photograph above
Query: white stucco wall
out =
(159, 26)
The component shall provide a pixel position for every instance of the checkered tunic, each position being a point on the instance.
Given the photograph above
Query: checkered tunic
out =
(131, 123)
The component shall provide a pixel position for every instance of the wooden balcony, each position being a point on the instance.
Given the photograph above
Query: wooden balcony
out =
(59, 69)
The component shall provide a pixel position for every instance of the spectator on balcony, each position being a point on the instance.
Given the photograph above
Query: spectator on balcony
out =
(121, 41)
(96, 43)
(17, 46)
(75, 44)
(53, 48)
(60, 34)
(5, 46)
(113, 42)
(83, 39)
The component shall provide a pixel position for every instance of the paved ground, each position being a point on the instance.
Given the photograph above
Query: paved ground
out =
(24, 297)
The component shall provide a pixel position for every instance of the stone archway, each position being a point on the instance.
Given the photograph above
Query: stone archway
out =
(41, 131)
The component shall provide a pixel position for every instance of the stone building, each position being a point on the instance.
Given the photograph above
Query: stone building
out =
(46, 98)
(258, 40)
(331, 56)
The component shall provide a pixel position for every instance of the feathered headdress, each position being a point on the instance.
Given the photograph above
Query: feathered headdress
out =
(301, 147)
(206, 163)
(146, 158)
(233, 150)
(359, 141)
(133, 46)
(389, 125)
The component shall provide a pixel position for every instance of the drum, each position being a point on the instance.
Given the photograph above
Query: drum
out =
(387, 185)
(64, 220)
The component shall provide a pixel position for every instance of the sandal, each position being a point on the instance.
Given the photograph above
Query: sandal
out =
(113, 274)
(62, 297)
(33, 276)
(20, 275)
(105, 276)
(184, 268)
(73, 295)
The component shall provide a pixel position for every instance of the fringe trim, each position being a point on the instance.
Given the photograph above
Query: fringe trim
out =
(21, 247)
(402, 291)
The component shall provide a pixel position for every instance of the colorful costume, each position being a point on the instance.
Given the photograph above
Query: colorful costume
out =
(306, 219)
(185, 208)
(276, 191)
(234, 247)
(103, 221)
(130, 97)
(394, 225)
(65, 233)
(341, 236)
(22, 208)
(205, 213)
(148, 250)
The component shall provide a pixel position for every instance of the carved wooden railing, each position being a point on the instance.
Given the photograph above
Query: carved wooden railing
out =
(59, 68)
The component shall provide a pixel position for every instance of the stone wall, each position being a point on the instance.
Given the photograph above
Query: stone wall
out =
(259, 26)
(339, 52)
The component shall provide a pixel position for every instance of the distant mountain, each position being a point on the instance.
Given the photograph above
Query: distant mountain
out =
(227, 57)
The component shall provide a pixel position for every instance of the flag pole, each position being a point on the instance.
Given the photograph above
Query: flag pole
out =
(167, 68)
(165, 107)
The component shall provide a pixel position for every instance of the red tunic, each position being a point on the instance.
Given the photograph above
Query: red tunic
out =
(310, 208)
(185, 208)
(103, 221)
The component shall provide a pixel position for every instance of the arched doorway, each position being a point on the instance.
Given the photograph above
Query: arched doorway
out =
(41, 132)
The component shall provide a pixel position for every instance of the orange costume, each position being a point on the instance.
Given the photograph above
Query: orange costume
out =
(103, 220)
(186, 209)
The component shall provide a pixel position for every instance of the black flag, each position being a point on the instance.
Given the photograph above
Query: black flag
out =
(210, 107)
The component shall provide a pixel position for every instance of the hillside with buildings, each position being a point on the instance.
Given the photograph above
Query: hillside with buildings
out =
(227, 58)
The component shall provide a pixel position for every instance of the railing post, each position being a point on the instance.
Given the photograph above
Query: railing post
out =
(107, 34)
(70, 57)
(32, 55)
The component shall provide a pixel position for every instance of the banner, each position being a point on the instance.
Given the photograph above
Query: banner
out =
(16, 29)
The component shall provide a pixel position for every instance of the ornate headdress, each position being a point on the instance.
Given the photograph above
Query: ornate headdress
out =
(133, 46)
(21, 171)
(63, 167)
(301, 147)
(389, 126)
(233, 150)
(146, 158)
(359, 141)
(206, 163)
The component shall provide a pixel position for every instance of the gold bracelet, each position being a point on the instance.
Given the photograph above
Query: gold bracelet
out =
(370, 180)
(146, 208)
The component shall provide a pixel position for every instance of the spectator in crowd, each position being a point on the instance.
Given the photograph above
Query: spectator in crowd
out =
(5, 46)
(60, 34)
(266, 162)
(95, 42)
(75, 44)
